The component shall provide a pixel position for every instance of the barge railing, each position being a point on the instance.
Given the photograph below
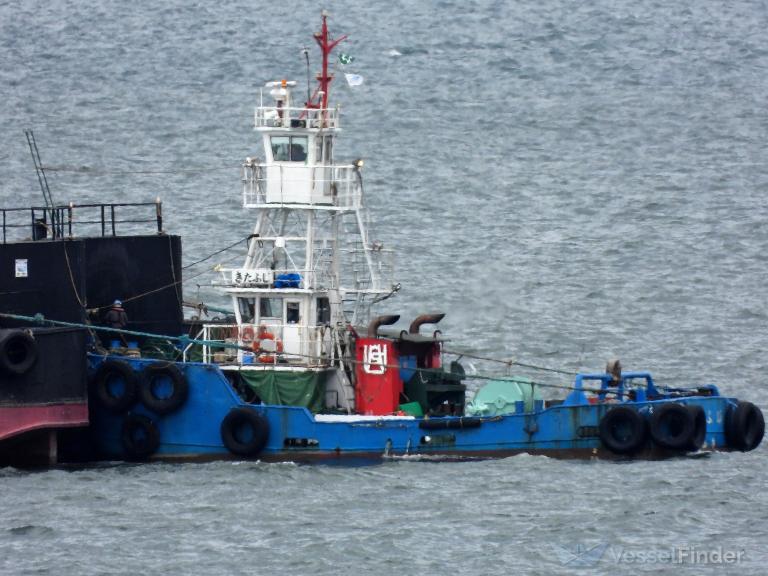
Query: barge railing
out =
(45, 222)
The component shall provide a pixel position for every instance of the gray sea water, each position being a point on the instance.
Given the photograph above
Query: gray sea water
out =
(570, 181)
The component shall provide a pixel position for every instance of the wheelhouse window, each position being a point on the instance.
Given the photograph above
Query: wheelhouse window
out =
(323, 311)
(289, 148)
(271, 308)
(247, 309)
(328, 150)
(292, 312)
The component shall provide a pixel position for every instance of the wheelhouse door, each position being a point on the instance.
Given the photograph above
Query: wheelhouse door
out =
(294, 328)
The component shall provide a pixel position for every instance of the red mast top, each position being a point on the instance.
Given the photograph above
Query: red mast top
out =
(324, 79)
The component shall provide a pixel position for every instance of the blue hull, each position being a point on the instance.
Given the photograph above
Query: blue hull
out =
(194, 431)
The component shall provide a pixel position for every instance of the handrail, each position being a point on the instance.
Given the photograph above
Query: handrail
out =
(60, 221)
(242, 336)
(41, 320)
(296, 117)
(316, 185)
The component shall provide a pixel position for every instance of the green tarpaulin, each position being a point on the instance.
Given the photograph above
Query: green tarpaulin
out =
(288, 388)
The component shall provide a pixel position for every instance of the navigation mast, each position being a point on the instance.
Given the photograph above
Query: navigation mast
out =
(326, 45)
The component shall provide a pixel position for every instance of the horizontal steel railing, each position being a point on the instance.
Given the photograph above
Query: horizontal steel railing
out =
(296, 117)
(314, 343)
(67, 220)
(335, 185)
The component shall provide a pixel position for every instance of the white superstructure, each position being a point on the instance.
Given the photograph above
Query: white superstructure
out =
(311, 270)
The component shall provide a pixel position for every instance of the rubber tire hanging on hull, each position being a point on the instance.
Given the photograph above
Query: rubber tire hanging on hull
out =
(242, 422)
(450, 423)
(744, 426)
(140, 437)
(151, 375)
(673, 426)
(108, 370)
(18, 352)
(623, 431)
(699, 435)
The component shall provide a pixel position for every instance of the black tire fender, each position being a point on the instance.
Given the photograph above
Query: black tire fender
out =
(744, 426)
(157, 372)
(622, 430)
(673, 426)
(140, 437)
(699, 435)
(450, 423)
(244, 431)
(103, 378)
(18, 352)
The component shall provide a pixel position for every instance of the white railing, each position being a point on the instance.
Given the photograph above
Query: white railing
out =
(239, 277)
(329, 185)
(368, 267)
(279, 117)
(305, 345)
(383, 267)
(224, 333)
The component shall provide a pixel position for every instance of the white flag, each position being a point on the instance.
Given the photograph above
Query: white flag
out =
(354, 79)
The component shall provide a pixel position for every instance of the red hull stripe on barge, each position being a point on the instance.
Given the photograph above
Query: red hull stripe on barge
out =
(15, 420)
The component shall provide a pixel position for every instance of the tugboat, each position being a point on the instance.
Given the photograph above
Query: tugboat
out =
(302, 369)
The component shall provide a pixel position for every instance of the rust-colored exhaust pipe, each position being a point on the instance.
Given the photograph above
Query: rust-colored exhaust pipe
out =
(373, 327)
(424, 319)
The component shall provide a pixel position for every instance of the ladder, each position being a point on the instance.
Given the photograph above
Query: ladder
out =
(347, 390)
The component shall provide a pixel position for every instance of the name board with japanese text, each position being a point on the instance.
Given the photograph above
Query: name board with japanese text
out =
(253, 276)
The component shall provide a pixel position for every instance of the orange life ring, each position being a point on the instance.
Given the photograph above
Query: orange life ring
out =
(266, 356)
(246, 333)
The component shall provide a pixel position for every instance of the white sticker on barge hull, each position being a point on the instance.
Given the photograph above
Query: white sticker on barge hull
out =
(21, 268)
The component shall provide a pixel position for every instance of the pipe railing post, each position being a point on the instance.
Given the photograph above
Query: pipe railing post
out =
(159, 213)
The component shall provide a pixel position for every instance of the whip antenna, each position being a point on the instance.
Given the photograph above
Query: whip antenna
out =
(305, 51)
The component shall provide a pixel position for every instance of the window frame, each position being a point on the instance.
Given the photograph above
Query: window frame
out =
(290, 142)
(273, 309)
